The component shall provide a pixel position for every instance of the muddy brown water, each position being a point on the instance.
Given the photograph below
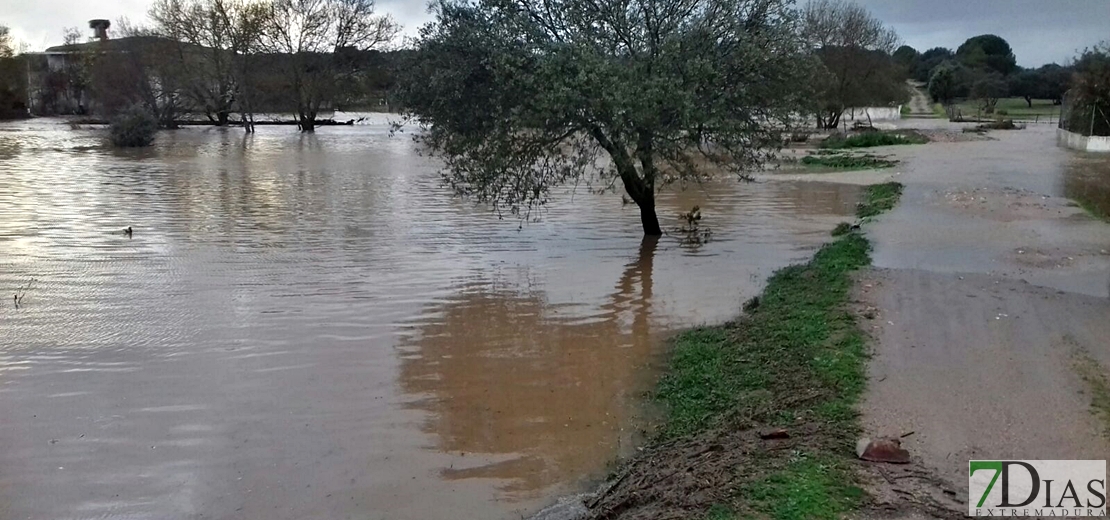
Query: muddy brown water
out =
(312, 327)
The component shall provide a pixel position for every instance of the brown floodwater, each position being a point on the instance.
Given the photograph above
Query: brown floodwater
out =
(310, 326)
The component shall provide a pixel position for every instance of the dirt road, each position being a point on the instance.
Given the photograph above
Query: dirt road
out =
(920, 106)
(990, 307)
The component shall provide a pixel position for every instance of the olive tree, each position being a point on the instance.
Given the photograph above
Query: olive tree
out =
(519, 96)
(309, 33)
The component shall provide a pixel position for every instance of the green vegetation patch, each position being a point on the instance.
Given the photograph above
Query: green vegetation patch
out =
(1014, 107)
(797, 341)
(878, 198)
(873, 138)
(1098, 386)
(806, 489)
(848, 161)
(1093, 208)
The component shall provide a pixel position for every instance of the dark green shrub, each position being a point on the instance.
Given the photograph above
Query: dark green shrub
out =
(134, 126)
(869, 139)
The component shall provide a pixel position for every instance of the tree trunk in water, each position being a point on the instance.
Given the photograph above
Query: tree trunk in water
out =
(308, 124)
(649, 219)
(221, 118)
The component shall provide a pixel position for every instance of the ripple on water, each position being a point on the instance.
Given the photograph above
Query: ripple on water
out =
(310, 324)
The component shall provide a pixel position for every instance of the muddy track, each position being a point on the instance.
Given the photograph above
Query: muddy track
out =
(988, 304)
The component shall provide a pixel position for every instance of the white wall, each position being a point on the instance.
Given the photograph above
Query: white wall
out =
(876, 113)
(1084, 143)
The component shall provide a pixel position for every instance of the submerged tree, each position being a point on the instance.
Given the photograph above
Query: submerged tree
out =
(311, 32)
(519, 96)
(13, 79)
(212, 43)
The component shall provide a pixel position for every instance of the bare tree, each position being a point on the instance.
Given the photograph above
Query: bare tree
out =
(309, 32)
(7, 50)
(855, 48)
(134, 70)
(212, 40)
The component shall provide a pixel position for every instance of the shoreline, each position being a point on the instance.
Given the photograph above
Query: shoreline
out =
(762, 404)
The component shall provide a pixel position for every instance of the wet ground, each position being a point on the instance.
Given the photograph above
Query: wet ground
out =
(311, 327)
(990, 300)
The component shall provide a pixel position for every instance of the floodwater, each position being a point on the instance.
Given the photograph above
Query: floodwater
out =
(1001, 206)
(310, 326)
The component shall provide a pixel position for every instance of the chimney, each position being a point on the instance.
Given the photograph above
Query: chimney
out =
(100, 29)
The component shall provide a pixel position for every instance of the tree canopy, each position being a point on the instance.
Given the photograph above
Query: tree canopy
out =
(948, 82)
(6, 48)
(989, 52)
(521, 96)
(855, 49)
(311, 32)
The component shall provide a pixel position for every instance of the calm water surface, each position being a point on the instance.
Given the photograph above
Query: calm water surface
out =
(312, 327)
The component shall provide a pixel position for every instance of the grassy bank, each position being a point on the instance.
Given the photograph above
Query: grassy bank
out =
(795, 361)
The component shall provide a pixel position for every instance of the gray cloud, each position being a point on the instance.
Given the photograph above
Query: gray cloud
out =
(1040, 31)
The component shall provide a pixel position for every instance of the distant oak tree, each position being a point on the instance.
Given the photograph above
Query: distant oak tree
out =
(519, 96)
(988, 52)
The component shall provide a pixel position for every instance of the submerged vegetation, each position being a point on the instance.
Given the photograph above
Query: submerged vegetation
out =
(879, 198)
(873, 138)
(848, 161)
(793, 364)
(133, 127)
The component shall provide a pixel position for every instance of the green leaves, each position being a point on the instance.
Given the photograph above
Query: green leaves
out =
(519, 96)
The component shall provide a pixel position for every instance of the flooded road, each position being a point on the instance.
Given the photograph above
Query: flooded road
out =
(312, 327)
(989, 279)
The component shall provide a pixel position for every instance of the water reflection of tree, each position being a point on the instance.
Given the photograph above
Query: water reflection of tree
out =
(544, 395)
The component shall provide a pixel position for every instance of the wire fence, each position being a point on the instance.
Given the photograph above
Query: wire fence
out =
(1085, 116)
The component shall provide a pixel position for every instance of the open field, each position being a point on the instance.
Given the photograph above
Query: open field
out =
(1014, 108)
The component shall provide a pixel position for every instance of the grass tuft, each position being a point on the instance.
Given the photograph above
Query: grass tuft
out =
(807, 489)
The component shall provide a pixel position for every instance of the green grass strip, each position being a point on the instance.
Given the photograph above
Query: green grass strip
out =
(878, 198)
(796, 356)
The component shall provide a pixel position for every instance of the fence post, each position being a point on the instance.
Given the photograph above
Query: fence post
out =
(1093, 108)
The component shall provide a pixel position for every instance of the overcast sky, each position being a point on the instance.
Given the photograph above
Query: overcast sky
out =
(1040, 31)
